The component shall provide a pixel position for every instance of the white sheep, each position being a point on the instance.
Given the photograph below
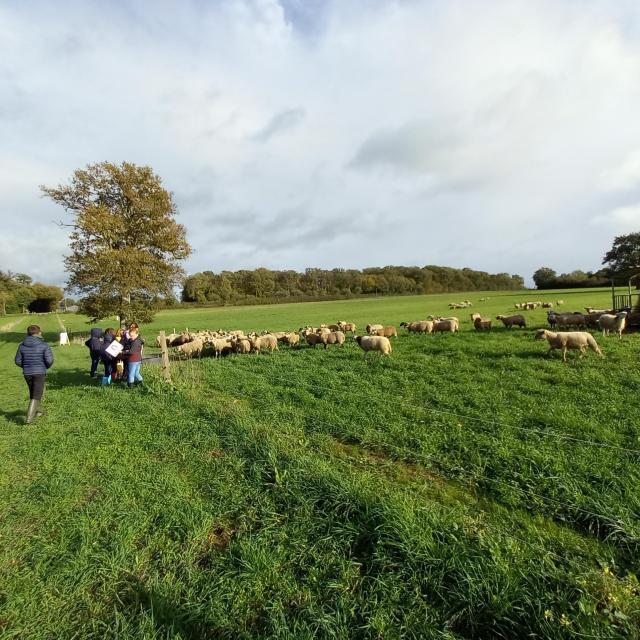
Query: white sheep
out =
(373, 328)
(617, 323)
(190, 349)
(374, 343)
(480, 323)
(269, 342)
(388, 332)
(568, 340)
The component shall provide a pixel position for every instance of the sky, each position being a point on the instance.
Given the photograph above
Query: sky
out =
(496, 135)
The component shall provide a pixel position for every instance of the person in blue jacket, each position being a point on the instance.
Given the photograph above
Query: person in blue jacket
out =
(34, 357)
(94, 344)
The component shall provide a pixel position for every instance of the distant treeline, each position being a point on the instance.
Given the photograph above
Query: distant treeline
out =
(265, 285)
(18, 294)
(546, 278)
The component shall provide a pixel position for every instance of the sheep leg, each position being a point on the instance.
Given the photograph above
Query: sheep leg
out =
(564, 354)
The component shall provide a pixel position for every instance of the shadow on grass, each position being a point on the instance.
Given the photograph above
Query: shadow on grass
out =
(168, 617)
(17, 417)
(60, 378)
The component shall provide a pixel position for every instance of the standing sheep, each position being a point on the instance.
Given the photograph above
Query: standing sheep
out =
(269, 342)
(374, 343)
(510, 321)
(387, 332)
(568, 340)
(608, 322)
(371, 329)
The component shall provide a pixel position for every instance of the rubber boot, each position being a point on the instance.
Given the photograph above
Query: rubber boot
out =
(39, 409)
(105, 380)
(31, 411)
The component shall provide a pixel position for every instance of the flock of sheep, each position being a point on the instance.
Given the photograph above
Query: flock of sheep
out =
(377, 336)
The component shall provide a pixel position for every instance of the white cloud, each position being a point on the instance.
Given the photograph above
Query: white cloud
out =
(620, 220)
(470, 134)
(624, 176)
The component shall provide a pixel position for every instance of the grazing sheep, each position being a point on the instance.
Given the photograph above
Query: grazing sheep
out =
(591, 320)
(191, 349)
(335, 337)
(617, 323)
(373, 328)
(570, 320)
(292, 339)
(269, 342)
(568, 340)
(387, 332)
(180, 339)
(241, 345)
(547, 305)
(480, 323)
(421, 326)
(374, 343)
(445, 326)
(600, 311)
(313, 339)
(347, 327)
(559, 302)
(219, 345)
(510, 321)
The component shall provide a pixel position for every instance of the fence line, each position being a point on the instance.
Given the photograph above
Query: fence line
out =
(460, 416)
(449, 510)
(412, 454)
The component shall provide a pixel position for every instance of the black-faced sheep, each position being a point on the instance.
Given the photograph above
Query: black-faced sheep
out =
(480, 323)
(616, 323)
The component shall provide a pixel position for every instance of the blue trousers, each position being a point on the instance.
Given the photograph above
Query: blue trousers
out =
(134, 372)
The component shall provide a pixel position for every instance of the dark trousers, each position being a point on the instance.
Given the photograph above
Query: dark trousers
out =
(108, 367)
(95, 361)
(36, 386)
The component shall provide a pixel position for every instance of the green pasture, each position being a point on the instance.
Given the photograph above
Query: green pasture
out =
(467, 487)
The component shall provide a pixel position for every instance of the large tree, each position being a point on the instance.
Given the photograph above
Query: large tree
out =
(623, 259)
(544, 278)
(126, 246)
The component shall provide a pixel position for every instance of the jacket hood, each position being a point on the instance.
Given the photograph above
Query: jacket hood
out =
(96, 332)
(29, 341)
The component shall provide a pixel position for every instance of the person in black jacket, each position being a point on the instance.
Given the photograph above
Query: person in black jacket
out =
(34, 356)
(94, 344)
(107, 360)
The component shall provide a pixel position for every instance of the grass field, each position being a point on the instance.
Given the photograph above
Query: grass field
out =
(466, 487)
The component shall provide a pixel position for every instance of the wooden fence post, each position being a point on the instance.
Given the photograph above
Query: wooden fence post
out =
(166, 367)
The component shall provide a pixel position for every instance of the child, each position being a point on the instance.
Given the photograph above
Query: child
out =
(118, 364)
(107, 360)
(133, 351)
(94, 344)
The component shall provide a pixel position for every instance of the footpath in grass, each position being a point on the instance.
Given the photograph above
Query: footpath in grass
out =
(455, 491)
